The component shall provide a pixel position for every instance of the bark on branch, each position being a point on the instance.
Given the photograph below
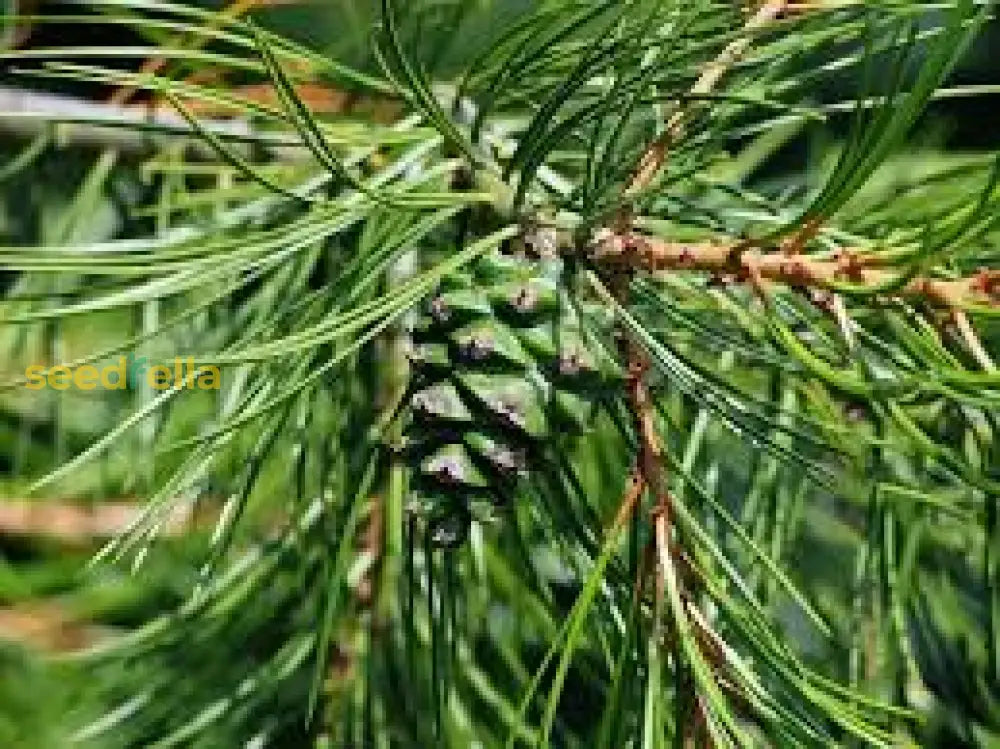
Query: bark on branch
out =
(738, 262)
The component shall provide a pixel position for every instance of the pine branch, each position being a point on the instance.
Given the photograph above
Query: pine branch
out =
(623, 253)
(650, 163)
(739, 263)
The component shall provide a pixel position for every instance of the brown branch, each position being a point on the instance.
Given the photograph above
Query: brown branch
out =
(319, 99)
(622, 253)
(649, 470)
(630, 500)
(76, 524)
(655, 156)
(650, 163)
(740, 263)
(650, 448)
(49, 627)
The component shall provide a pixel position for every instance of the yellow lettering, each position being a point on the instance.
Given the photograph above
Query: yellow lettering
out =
(60, 377)
(36, 377)
(210, 378)
(158, 377)
(120, 370)
(85, 377)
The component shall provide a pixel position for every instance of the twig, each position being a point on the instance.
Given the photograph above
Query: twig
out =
(650, 163)
(734, 259)
(76, 524)
(622, 251)
(49, 627)
(630, 500)
(655, 156)
(650, 448)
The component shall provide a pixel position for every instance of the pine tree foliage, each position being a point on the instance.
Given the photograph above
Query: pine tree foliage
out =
(773, 522)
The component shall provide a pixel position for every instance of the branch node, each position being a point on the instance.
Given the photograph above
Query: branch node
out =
(849, 266)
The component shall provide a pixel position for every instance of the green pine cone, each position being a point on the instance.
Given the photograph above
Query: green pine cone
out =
(501, 361)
